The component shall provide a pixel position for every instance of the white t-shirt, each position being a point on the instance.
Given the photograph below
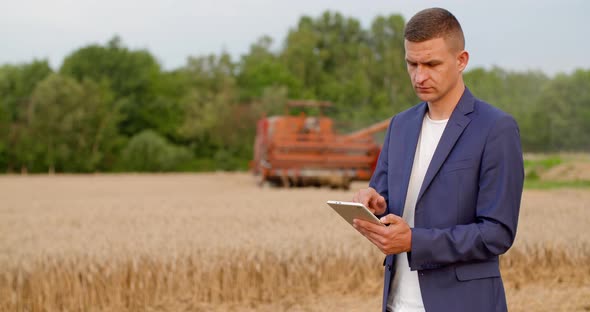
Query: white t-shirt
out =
(405, 292)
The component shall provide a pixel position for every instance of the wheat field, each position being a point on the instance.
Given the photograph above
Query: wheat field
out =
(217, 242)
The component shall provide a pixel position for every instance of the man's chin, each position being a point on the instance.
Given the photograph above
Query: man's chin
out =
(426, 97)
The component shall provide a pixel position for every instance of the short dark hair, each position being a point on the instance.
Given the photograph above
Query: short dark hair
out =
(435, 23)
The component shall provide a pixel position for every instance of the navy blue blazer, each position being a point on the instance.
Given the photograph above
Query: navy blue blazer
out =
(467, 209)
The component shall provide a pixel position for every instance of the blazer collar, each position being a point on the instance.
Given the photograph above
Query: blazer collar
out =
(466, 103)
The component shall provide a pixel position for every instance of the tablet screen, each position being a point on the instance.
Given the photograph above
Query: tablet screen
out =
(350, 211)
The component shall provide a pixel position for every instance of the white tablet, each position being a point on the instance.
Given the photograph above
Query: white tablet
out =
(350, 211)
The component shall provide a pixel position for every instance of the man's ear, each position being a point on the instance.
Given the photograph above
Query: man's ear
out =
(462, 60)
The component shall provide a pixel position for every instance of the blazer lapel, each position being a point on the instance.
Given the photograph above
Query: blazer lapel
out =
(455, 126)
(410, 138)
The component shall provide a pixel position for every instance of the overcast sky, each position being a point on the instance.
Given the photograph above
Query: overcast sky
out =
(546, 35)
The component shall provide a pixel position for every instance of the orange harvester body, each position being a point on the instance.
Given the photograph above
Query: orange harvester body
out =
(304, 150)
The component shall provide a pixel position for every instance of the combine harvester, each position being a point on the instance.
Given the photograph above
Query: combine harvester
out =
(304, 150)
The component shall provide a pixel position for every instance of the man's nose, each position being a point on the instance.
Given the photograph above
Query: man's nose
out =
(420, 75)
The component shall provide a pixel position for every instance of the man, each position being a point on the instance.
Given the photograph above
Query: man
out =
(452, 168)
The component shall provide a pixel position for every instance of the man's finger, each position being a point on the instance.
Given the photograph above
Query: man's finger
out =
(365, 201)
(391, 219)
(376, 239)
(360, 228)
(373, 203)
(381, 201)
(371, 236)
(370, 226)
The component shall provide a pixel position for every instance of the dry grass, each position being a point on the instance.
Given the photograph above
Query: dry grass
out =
(215, 242)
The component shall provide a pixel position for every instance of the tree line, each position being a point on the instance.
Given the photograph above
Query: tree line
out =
(110, 108)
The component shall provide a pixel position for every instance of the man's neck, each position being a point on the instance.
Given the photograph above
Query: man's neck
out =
(443, 108)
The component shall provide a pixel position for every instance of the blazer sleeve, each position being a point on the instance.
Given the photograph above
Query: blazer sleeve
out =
(496, 212)
(379, 178)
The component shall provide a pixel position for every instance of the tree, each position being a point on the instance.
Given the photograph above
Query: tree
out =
(566, 103)
(16, 85)
(301, 57)
(391, 87)
(4, 130)
(517, 94)
(73, 123)
(133, 76)
(211, 92)
(261, 69)
(149, 151)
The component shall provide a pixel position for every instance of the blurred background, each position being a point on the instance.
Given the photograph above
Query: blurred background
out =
(179, 87)
(88, 86)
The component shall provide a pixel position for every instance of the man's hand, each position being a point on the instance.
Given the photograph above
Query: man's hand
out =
(393, 239)
(371, 199)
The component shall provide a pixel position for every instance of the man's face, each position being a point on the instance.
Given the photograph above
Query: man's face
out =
(434, 67)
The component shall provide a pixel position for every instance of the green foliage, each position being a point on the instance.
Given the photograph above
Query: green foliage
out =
(272, 102)
(534, 167)
(553, 114)
(129, 73)
(545, 185)
(262, 69)
(566, 101)
(112, 108)
(72, 125)
(209, 97)
(537, 166)
(149, 151)
(362, 71)
(4, 130)
(16, 85)
(133, 77)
